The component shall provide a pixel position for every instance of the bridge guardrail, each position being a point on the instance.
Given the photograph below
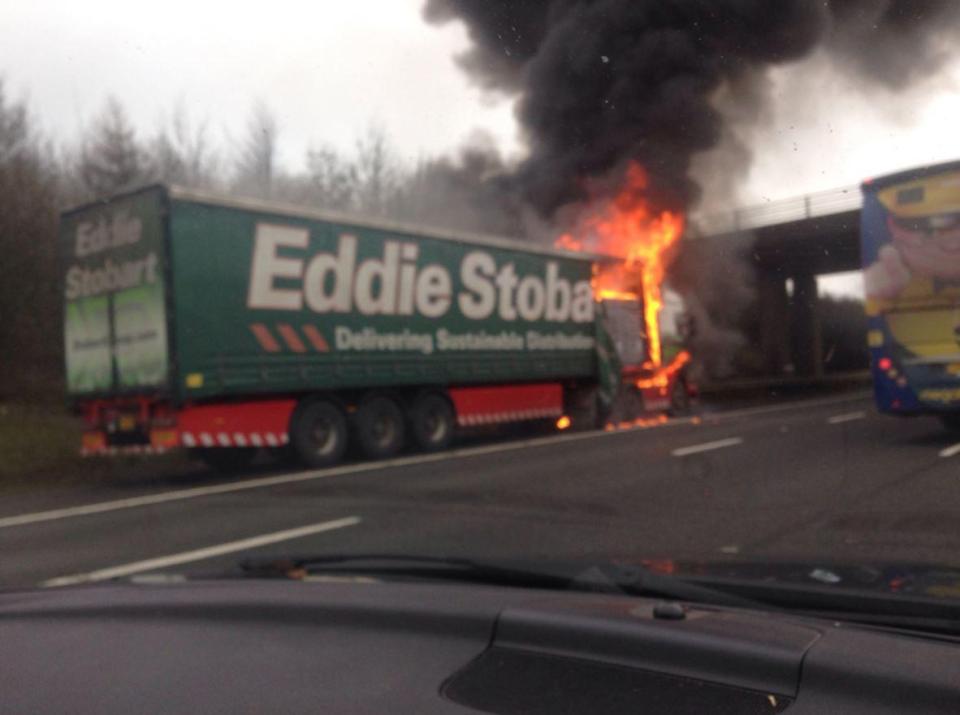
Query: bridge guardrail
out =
(821, 203)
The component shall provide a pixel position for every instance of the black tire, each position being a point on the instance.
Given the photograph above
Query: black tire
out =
(380, 427)
(581, 405)
(227, 460)
(432, 422)
(318, 433)
(951, 421)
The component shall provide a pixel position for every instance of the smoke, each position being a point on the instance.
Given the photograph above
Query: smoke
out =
(717, 281)
(681, 87)
(601, 83)
(893, 43)
(744, 105)
(464, 192)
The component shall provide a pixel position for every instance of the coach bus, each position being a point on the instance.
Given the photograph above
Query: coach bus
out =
(910, 248)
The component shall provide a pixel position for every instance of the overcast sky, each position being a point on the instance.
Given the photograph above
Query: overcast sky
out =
(326, 69)
(329, 68)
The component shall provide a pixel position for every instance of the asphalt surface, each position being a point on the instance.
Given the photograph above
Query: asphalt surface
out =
(828, 480)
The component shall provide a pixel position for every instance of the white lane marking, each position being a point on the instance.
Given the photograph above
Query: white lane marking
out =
(208, 552)
(294, 477)
(848, 417)
(950, 451)
(707, 446)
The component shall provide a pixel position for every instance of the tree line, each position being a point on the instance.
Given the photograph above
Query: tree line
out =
(371, 179)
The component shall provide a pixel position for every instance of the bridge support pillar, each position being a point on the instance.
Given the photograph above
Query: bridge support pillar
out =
(774, 322)
(807, 339)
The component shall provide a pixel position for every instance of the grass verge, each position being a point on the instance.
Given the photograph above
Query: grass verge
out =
(40, 446)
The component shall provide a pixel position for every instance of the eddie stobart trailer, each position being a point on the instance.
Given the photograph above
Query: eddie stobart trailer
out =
(227, 326)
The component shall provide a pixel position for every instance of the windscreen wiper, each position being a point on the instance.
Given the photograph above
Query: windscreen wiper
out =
(598, 578)
(883, 611)
(903, 611)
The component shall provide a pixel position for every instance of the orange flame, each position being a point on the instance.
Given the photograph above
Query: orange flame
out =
(639, 422)
(569, 242)
(662, 376)
(627, 227)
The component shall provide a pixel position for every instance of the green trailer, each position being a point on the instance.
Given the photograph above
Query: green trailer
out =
(229, 325)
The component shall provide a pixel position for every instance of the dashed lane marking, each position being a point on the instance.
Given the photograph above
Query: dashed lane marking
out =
(847, 417)
(950, 451)
(707, 446)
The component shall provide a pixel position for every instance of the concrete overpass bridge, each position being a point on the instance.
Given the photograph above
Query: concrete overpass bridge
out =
(793, 239)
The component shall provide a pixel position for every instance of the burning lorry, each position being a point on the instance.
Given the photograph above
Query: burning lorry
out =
(229, 326)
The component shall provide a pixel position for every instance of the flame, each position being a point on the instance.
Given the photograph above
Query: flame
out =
(611, 294)
(563, 422)
(662, 376)
(638, 423)
(569, 242)
(629, 228)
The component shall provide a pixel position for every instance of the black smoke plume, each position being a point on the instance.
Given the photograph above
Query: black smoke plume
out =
(604, 82)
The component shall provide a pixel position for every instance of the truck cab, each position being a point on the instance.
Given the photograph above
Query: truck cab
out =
(645, 390)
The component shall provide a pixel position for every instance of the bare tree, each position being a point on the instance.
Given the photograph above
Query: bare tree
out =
(29, 290)
(14, 131)
(111, 159)
(256, 164)
(377, 172)
(181, 152)
(332, 179)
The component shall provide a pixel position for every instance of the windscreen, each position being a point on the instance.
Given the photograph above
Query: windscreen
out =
(624, 323)
(587, 281)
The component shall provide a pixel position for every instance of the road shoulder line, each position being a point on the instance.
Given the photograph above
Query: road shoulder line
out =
(304, 476)
(310, 475)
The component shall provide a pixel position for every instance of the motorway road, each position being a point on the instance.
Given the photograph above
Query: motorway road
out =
(827, 480)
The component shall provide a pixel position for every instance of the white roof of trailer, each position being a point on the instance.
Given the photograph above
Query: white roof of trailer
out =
(296, 211)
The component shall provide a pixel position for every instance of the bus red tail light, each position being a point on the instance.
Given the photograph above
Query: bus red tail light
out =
(885, 363)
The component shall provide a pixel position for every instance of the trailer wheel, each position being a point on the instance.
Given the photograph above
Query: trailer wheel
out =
(380, 427)
(226, 460)
(318, 433)
(432, 421)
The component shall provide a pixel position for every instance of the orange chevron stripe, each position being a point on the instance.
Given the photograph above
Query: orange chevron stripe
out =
(316, 339)
(291, 338)
(263, 335)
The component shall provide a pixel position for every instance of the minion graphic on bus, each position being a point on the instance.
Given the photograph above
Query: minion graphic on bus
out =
(911, 251)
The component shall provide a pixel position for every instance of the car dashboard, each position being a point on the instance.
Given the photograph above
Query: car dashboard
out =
(365, 646)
